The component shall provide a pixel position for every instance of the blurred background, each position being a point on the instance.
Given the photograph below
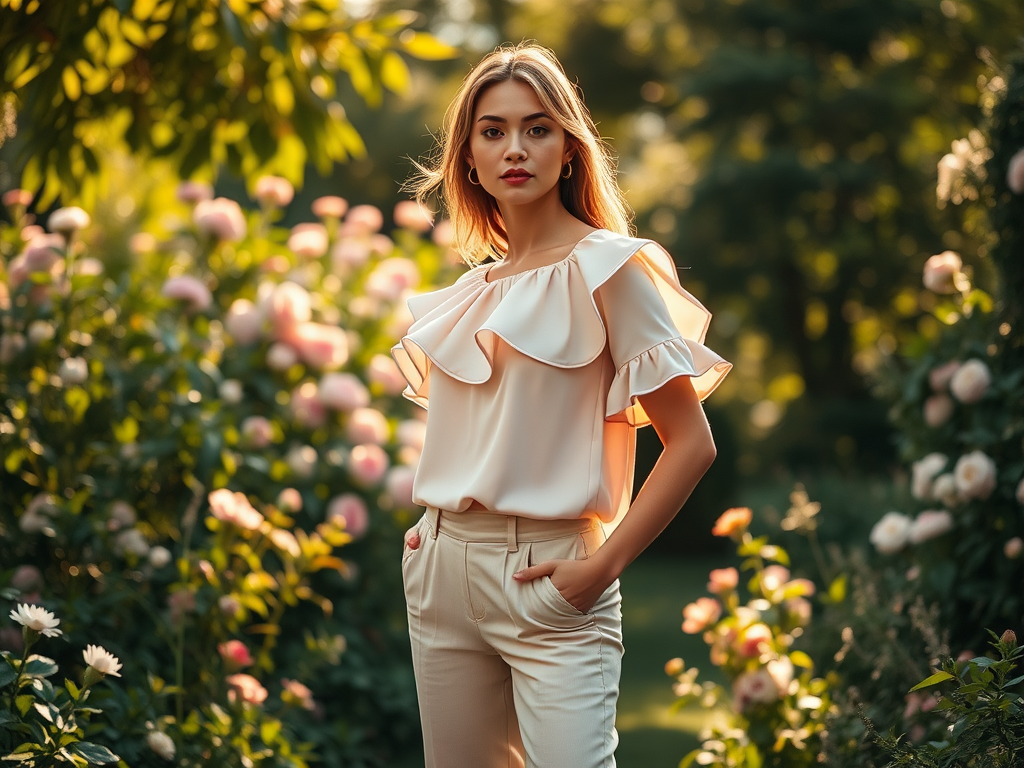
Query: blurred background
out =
(788, 154)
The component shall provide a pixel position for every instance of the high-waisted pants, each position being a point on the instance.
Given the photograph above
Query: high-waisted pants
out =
(509, 674)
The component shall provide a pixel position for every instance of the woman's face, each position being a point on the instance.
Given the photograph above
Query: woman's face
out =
(518, 150)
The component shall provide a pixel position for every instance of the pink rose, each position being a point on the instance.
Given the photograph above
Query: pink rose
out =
(257, 432)
(774, 577)
(349, 510)
(350, 252)
(1013, 548)
(247, 687)
(756, 639)
(330, 206)
(343, 392)
(306, 407)
(411, 215)
(274, 191)
(319, 345)
(362, 220)
(367, 425)
(411, 433)
(381, 244)
(971, 381)
(383, 370)
(752, 688)
(194, 191)
(289, 501)
(14, 197)
(244, 322)
(942, 273)
(700, 615)
(367, 464)
(221, 219)
(289, 305)
(391, 278)
(938, 378)
(234, 508)
(937, 410)
(229, 605)
(399, 484)
(1015, 173)
(723, 580)
(69, 219)
(190, 290)
(308, 240)
(928, 525)
(443, 234)
(235, 654)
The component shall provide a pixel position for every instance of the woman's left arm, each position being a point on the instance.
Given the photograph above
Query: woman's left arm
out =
(689, 450)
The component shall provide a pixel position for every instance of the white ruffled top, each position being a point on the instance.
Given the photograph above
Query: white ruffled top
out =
(532, 379)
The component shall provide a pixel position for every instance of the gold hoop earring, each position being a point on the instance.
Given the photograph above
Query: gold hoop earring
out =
(567, 175)
(470, 176)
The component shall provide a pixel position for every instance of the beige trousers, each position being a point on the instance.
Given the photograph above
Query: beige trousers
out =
(510, 674)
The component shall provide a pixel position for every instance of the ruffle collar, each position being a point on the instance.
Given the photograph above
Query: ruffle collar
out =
(548, 313)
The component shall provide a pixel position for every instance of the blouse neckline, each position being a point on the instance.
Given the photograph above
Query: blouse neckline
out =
(485, 272)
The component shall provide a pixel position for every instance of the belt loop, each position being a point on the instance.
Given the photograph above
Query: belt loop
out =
(513, 544)
(435, 521)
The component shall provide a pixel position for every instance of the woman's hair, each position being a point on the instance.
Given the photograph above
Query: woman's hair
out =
(590, 193)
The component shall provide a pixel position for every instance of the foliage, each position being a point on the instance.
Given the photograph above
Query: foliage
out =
(986, 715)
(778, 715)
(253, 85)
(50, 719)
(185, 444)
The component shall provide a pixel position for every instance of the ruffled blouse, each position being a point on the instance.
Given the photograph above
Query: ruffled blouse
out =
(532, 379)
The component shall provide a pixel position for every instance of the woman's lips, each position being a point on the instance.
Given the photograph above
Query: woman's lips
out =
(516, 178)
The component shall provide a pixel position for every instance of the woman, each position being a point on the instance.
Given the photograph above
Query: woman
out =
(538, 368)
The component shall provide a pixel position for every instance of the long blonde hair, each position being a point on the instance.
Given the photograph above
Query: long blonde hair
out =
(590, 193)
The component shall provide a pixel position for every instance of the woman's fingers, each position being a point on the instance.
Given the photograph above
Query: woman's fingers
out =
(412, 539)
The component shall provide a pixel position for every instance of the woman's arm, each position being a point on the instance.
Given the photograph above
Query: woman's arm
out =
(689, 450)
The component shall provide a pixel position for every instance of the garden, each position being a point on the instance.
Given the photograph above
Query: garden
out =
(206, 460)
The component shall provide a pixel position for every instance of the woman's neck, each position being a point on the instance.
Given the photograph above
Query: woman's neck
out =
(541, 226)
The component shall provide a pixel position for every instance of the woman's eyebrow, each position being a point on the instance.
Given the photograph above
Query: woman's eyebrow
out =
(497, 119)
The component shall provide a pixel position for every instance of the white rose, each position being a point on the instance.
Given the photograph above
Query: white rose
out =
(923, 472)
(161, 743)
(944, 489)
(230, 391)
(281, 356)
(159, 556)
(40, 331)
(975, 475)
(971, 381)
(68, 219)
(937, 410)
(890, 534)
(929, 524)
(942, 273)
(1015, 173)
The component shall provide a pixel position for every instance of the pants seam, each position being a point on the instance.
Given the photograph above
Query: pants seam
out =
(604, 696)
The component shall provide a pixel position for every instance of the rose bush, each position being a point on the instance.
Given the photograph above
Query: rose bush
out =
(185, 445)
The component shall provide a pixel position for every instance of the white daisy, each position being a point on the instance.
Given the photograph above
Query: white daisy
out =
(102, 660)
(37, 618)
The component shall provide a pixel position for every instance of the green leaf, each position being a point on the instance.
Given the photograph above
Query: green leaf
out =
(40, 666)
(801, 659)
(938, 677)
(72, 689)
(94, 753)
(7, 674)
(837, 589)
(426, 47)
(78, 401)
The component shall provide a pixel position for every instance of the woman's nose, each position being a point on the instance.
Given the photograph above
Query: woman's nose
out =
(515, 147)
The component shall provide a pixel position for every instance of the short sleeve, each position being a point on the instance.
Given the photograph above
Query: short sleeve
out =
(655, 331)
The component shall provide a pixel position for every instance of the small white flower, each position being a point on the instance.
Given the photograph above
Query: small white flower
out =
(159, 556)
(68, 219)
(131, 540)
(971, 381)
(161, 743)
(102, 660)
(890, 534)
(73, 370)
(230, 391)
(37, 619)
(40, 331)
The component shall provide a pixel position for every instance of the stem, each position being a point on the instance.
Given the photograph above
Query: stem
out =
(189, 518)
(819, 557)
(21, 667)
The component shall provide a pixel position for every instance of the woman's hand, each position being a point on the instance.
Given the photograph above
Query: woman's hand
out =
(581, 582)
(412, 538)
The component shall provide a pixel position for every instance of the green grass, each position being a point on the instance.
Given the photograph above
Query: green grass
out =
(654, 592)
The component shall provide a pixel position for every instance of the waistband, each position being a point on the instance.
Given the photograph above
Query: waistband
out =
(489, 527)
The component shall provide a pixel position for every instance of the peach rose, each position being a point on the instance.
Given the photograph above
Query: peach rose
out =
(306, 407)
(942, 273)
(733, 522)
(289, 500)
(773, 577)
(234, 508)
(700, 615)
(319, 345)
(723, 580)
(411, 215)
(329, 206)
(383, 370)
(17, 197)
(928, 525)
(443, 234)
(367, 425)
(257, 432)
(755, 640)
(274, 191)
(308, 240)
(281, 356)
(289, 305)
(391, 278)
(349, 510)
(247, 687)
(1013, 548)
(363, 220)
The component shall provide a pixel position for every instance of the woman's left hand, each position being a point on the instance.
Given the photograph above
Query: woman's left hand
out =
(581, 582)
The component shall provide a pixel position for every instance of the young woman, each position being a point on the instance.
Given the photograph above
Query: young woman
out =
(538, 368)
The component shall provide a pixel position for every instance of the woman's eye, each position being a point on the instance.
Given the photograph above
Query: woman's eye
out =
(538, 130)
(490, 133)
